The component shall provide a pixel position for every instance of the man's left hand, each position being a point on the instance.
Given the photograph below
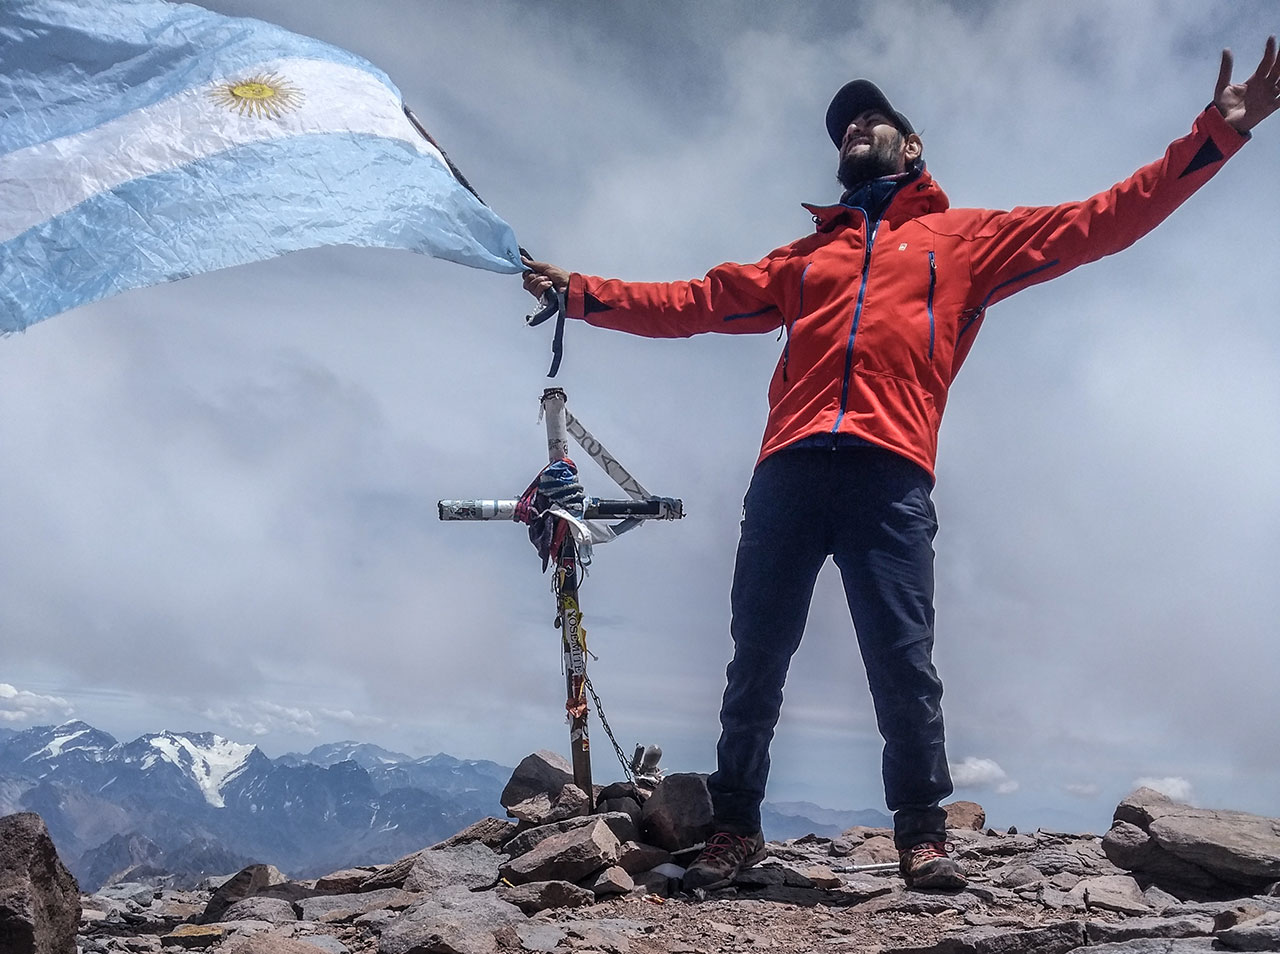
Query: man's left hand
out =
(1246, 104)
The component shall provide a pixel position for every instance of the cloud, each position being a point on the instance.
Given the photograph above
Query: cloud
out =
(18, 705)
(349, 718)
(1174, 786)
(1082, 789)
(263, 718)
(982, 774)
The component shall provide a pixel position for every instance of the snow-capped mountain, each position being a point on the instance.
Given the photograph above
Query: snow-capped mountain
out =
(179, 801)
(207, 760)
(364, 754)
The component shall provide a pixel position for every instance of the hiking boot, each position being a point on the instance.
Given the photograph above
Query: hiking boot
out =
(723, 856)
(928, 865)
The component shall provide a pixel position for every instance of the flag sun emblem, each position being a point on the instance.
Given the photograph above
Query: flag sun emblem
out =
(266, 95)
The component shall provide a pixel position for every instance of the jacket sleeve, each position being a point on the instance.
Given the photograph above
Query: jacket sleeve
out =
(734, 299)
(1013, 250)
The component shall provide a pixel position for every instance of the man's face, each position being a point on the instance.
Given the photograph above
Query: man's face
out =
(873, 146)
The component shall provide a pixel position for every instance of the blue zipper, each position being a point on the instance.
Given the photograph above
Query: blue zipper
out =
(933, 283)
(857, 316)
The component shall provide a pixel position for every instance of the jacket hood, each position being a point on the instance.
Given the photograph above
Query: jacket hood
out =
(919, 196)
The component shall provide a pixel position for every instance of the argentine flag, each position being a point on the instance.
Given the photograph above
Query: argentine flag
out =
(143, 141)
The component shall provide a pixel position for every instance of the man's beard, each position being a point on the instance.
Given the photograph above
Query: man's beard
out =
(880, 160)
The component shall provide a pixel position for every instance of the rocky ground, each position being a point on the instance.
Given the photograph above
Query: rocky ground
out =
(559, 880)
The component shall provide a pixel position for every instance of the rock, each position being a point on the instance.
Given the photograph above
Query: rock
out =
(39, 899)
(351, 905)
(1237, 914)
(490, 832)
(1048, 939)
(634, 857)
(275, 910)
(968, 816)
(542, 809)
(619, 823)
(619, 790)
(193, 937)
(678, 813)
(246, 883)
(451, 921)
(1151, 945)
(772, 874)
(1109, 893)
(345, 881)
(1235, 848)
(268, 943)
(1016, 876)
(1105, 932)
(470, 864)
(820, 876)
(612, 880)
(539, 937)
(1129, 847)
(543, 773)
(874, 850)
(539, 895)
(567, 856)
(628, 806)
(1260, 934)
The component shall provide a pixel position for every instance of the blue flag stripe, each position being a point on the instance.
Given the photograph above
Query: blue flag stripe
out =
(78, 256)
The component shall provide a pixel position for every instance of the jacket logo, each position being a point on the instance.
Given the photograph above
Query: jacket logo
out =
(902, 247)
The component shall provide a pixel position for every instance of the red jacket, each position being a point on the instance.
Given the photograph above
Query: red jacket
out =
(879, 316)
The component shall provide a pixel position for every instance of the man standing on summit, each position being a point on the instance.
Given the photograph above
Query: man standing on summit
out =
(880, 306)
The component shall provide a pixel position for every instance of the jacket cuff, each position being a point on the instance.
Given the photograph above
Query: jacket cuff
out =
(1224, 135)
(574, 297)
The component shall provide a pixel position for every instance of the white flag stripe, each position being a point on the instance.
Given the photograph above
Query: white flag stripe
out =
(49, 178)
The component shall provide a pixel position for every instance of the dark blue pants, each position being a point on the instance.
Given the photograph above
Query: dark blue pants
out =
(871, 510)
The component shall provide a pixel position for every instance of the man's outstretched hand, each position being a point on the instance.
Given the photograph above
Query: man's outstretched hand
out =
(542, 277)
(1246, 104)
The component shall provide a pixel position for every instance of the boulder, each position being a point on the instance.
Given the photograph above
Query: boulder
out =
(266, 942)
(193, 937)
(39, 899)
(635, 857)
(1129, 847)
(678, 813)
(1128, 929)
(612, 880)
(619, 823)
(1047, 939)
(470, 864)
(543, 808)
(1235, 848)
(246, 883)
(490, 832)
(539, 895)
(350, 906)
(567, 856)
(543, 773)
(451, 921)
(967, 816)
(1118, 893)
(348, 879)
(1260, 934)
(274, 910)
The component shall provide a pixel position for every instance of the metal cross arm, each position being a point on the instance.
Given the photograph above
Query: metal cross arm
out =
(646, 508)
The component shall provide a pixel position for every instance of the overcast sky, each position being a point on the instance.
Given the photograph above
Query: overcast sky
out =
(218, 508)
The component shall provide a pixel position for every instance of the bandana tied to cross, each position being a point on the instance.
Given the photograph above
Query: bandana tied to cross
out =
(145, 141)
